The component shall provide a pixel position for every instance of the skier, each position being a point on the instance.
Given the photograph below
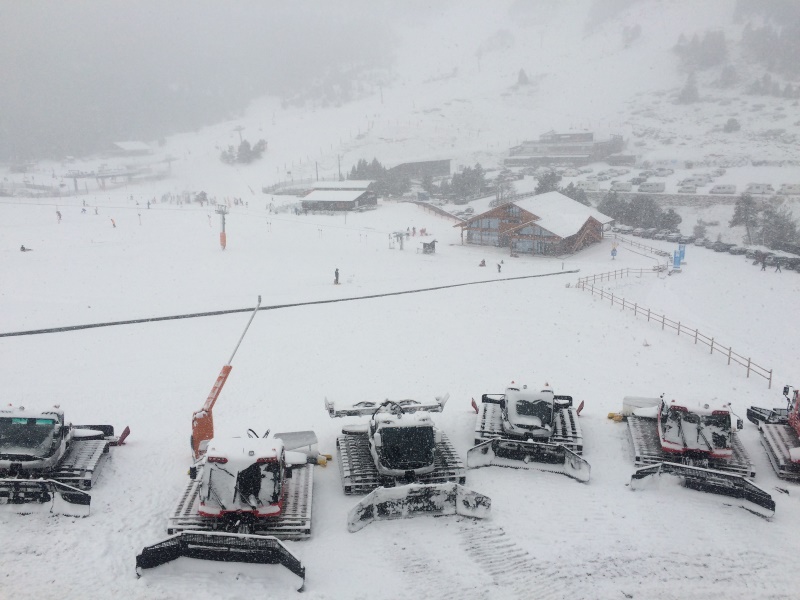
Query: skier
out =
(58, 215)
(483, 263)
(83, 211)
(113, 224)
(336, 277)
(763, 263)
(778, 266)
(498, 267)
(95, 211)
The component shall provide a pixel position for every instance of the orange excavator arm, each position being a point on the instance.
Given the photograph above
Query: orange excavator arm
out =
(203, 419)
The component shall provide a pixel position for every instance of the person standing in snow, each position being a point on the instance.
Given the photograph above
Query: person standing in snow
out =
(113, 224)
(778, 266)
(336, 277)
(763, 263)
(498, 267)
(58, 215)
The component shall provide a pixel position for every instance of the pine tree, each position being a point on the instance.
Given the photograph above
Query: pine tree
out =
(522, 78)
(548, 183)
(745, 213)
(670, 220)
(777, 226)
(576, 194)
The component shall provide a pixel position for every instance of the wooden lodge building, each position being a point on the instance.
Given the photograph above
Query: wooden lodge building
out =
(339, 199)
(549, 224)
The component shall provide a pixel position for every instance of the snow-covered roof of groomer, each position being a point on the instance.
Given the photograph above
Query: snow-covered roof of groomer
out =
(334, 195)
(560, 214)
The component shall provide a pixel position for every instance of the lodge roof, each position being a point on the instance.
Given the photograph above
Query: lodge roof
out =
(333, 195)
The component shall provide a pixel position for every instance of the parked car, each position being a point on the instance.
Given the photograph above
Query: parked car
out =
(637, 232)
(718, 172)
(700, 242)
(638, 180)
(793, 263)
(661, 235)
(660, 172)
(751, 253)
(687, 239)
(649, 233)
(674, 237)
(737, 250)
(774, 259)
(709, 243)
(687, 189)
(721, 246)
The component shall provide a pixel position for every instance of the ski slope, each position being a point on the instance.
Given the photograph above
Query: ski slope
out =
(547, 533)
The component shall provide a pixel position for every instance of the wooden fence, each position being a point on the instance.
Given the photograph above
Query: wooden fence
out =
(619, 274)
(680, 328)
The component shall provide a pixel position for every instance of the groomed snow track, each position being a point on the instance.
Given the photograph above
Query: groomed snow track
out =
(360, 476)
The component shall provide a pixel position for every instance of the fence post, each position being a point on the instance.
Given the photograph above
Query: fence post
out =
(729, 354)
(679, 328)
(663, 319)
(695, 337)
(612, 298)
(770, 380)
(634, 309)
(648, 315)
(748, 369)
(712, 352)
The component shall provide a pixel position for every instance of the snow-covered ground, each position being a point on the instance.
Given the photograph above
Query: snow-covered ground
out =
(548, 536)
(569, 539)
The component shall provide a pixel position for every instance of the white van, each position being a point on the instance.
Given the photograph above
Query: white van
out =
(702, 179)
(723, 188)
(695, 180)
(759, 188)
(655, 187)
(621, 186)
(687, 189)
(588, 186)
(790, 189)
(625, 228)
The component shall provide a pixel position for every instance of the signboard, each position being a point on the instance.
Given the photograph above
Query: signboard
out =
(682, 250)
(676, 261)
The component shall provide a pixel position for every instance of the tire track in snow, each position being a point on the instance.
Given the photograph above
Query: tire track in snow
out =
(621, 572)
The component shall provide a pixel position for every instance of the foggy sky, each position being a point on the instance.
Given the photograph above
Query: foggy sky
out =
(79, 74)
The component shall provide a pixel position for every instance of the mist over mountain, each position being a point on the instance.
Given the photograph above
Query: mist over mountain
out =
(80, 74)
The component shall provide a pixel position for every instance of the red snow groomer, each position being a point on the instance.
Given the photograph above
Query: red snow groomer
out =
(244, 495)
(780, 434)
(696, 442)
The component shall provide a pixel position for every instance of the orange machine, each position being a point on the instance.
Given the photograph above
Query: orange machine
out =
(203, 419)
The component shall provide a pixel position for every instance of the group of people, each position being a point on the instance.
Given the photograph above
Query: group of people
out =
(499, 265)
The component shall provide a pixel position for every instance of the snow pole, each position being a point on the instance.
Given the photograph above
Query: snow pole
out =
(222, 211)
